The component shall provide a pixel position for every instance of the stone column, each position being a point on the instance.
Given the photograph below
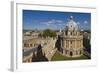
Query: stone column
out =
(79, 43)
(30, 59)
(82, 43)
(69, 44)
(63, 52)
(73, 44)
(66, 44)
(29, 45)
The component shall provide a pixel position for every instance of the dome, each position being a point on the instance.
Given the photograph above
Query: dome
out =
(72, 25)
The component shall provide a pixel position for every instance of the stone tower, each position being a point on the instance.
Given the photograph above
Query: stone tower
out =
(71, 40)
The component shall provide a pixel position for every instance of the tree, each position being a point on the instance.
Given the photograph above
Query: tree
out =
(48, 33)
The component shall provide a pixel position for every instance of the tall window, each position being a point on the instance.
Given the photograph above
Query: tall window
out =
(30, 45)
(70, 42)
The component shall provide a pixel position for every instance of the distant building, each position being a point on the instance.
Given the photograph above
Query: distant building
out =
(28, 33)
(71, 40)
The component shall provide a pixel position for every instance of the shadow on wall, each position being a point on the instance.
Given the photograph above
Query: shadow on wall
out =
(86, 44)
(58, 44)
(39, 55)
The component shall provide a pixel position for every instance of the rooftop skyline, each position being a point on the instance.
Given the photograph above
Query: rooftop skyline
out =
(55, 20)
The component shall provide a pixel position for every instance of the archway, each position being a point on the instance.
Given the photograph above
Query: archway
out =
(71, 54)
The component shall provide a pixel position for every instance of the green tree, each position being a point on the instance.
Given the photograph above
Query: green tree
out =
(49, 33)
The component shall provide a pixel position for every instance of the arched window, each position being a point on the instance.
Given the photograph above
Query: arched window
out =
(70, 42)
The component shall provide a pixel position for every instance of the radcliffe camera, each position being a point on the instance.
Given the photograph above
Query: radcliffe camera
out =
(56, 36)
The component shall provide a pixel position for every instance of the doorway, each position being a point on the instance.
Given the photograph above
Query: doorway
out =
(71, 54)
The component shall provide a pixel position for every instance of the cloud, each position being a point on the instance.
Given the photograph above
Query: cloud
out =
(53, 22)
(59, 21)
(85, 22)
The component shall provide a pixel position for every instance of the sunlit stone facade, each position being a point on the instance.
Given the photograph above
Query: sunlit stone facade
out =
(71, 40)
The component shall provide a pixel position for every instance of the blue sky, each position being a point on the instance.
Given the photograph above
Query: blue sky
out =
(40, 20)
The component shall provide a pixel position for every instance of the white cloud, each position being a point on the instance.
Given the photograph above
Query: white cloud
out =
(85, 22)
(53, 22)
(60, 21)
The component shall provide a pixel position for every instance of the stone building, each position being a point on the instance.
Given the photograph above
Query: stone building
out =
(71, 41)
(38, 49)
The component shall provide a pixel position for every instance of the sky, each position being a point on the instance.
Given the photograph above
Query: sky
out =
(55, 20)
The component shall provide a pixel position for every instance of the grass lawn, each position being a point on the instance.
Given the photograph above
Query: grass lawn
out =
(58, 57)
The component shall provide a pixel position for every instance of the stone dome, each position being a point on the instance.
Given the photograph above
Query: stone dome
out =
(72, 25)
